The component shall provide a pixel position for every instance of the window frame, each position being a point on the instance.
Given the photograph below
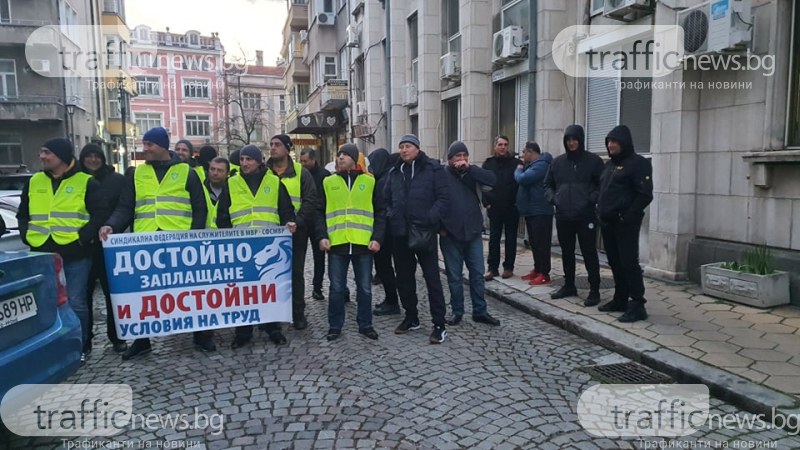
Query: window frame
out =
(187, 128)
(137, 116)
(3, 86)
(596, 11)
(185, 82)
(6, 145)
(248, 99)
(791, 141)
(149, 80)
(8, 4)
(114, 112)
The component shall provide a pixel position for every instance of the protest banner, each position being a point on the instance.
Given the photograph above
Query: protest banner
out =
(170, 282)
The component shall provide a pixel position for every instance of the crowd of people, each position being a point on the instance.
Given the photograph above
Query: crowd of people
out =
(393, 214)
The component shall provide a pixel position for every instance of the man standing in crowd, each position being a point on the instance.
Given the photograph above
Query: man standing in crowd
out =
(626, 188)
(205, 155)
(308, 159)
(572, 185)
(380, 163)
(163, 175)
(216, 182)
(255, 197)
(352, 233)
(307, 206)
(60, 211)
(234, 159)
(499, 202)
(536, 210)
(461, 239)
(93, 162)
(417, 197)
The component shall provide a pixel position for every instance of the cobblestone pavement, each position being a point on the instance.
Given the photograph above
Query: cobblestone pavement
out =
(515, 386)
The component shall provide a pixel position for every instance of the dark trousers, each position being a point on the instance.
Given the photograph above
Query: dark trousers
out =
(338, 266)
(98, 273)
(246, 331)
(540, 235)
(405, 261)
(319, 266)
(299, 247)
(621, 241)
(508, 223)
(385, 271)
(586, 232)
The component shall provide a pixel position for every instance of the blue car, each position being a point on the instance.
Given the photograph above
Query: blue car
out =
(40, 335)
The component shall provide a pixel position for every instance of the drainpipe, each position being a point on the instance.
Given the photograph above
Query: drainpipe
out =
(532, 57)
(388, 71)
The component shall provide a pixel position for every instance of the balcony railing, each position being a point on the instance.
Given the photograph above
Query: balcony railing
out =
(334, 94)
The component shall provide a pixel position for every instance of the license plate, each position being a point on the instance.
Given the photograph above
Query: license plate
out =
(17, 309)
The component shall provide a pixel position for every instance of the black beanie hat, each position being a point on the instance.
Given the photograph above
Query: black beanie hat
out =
(285, 140)
(455, 148)
(234, 157)
(89, 149)
(61, 148)
(350, 150)
(207, 153)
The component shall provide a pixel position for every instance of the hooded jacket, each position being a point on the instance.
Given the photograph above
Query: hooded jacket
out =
(416, 192)
(626, 185)
(573, 183)
(111, 182)
(500, 200)
(463, 221)
(530, 195)
(253, 180)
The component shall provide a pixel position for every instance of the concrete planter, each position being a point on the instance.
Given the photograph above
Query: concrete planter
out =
(760, 291)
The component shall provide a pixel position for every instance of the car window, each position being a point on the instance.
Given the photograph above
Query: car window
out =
(13, 182)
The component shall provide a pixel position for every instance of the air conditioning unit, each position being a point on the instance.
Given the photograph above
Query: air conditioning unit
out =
(303, 35)
(627, 10)
(716, 26)
(411, 95)
(361, 109)
(41, 66)
(326, 18)
(507, 44)
(450, 66)
(352, 35)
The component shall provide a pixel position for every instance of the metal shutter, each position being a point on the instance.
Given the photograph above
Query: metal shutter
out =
(636, 112)
(602, 108)
(522, 112)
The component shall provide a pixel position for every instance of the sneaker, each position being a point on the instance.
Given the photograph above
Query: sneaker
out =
(487, 319)
(385, 309)
(277, 337)
(317, 295)
(406, 326)
(369, 332)
(455, 319)
(333, 334)
(593, 299)
(301, 323)
(240, 341)
(439, 334)
(119, 346)
(540, 280)
(614, 305)
(564, 291)
(206, 345)
(83, 357)
(530, 276)
(140, 347)
(489, 276)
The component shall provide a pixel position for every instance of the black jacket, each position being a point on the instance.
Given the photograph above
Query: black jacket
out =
(378, 223)
(416, 192)
(464, 220)
(573, 183)
(380, 164)
(111, 185)
(500, 200)
(310, 204)
(123, 214)
(95, 204)
(626, 186)
(285, 207)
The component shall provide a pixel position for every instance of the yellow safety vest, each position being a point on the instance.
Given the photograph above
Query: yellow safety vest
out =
(211, 219)
(60, 215)
(261, 210)
(200, 173)
(234, 167)
(293, 186)
(162, 206)
(349, 214)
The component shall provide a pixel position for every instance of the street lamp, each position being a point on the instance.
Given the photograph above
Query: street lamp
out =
(71, 112)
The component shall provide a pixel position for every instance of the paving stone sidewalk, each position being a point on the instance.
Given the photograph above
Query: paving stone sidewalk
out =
(759, 345)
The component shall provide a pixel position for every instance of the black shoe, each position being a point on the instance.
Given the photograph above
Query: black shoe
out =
(333, 334)
(564, 291)
(84, 356)
(615, 305)
(455, 319)
(119, 346)
(369, 332)
(406, 326)
(385, 309)
(240, 341)
(593, 299)
(300, 324)
(317, 295)
(439, 334)
(634, 313)
(206, 345)
(87, 347)
(376, 280)
(487, 319)
(277, 337)
(138, 348)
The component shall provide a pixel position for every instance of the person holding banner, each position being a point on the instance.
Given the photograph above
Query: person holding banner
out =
(60, 210)
(355, 221)
(255, 197)
(307, 206)
(163, 176)
(214, 184)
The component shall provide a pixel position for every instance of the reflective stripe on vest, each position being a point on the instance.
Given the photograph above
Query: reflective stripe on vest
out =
(162, 206)
(349, 214)
(293, 186)
(261, 210)
(59, 215)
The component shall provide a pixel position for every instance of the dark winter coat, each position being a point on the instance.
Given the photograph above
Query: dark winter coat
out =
(530, 195)
(573, 183)
(626, 186)
(499, 202)
(416, 192)
(311, 204)
(464, 220)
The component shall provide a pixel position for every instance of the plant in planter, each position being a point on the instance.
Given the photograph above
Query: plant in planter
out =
(754, 282)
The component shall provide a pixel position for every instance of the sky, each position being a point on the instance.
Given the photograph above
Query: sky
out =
(247, 25)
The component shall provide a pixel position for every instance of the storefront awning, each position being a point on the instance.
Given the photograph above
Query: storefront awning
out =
(318, 123)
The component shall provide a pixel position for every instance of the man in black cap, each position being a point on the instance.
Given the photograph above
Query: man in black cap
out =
(308, 159)
(380, 163)
(60, 211)
(234, 159)
(93, 162)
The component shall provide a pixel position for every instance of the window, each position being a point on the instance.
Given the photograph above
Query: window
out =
(451, 33)
(113, 109)
(506, 108)
(327, 6)
(451, 121)
(194, 39)
(111, 6)
(281, 103)
(413, 46)
(8, 78)
(149, 86)
(251, 101)
(5, 10)
(415, 125)
(300, 93)
(607, 106)
(144, 34)
(10, 147)
(193, 88)
(198, 125)
(597, 6)
(329, 69)
(793, 127)
(257, 136)
(516, 13)
(344, 63)
(194, 62)
(146, 121)
(145, 60)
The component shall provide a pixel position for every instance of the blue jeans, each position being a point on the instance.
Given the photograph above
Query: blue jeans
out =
(337, 274)
(76, 273)
(456, 254)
